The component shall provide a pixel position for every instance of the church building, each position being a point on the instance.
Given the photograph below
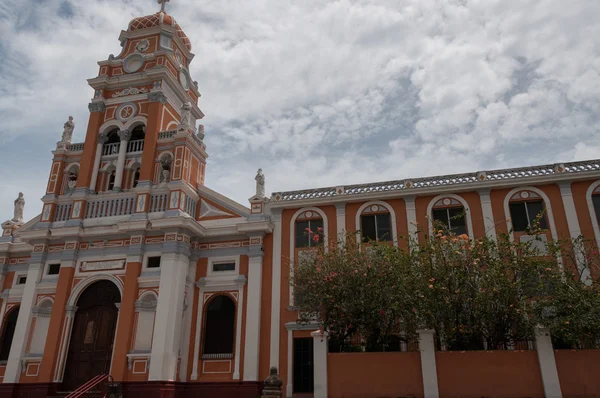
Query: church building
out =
(135, 269)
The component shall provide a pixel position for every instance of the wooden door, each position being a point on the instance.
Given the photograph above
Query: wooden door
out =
(303, 365)
(92, 339)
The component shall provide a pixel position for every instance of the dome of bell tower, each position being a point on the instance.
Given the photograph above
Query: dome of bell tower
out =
(160, 18)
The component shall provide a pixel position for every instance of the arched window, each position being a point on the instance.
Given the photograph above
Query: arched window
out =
(111, 180)
(525, 207)
(596, 203)
(136, 177)
(451, 214)
(308, 229)
(113, 137)
(219, 328)
(375, 223)
(10, 323)
(138, 133)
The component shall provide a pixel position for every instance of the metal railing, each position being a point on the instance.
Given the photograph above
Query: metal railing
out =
(98, 386)
(110, 207)
(441, 181)
(159, 202)
(63, 212)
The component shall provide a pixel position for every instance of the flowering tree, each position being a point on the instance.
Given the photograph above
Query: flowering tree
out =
(482, 294)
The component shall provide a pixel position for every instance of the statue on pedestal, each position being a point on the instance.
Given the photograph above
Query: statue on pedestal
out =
(260, 183)
(186, 115)
(67, 135)
(19, 206)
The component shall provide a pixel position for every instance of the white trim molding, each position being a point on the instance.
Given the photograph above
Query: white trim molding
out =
(547, 205)
(593, 215)
(462, 201)
(488, 213)
(574, 228)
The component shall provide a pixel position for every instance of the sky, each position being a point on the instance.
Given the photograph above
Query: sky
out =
(322, 92)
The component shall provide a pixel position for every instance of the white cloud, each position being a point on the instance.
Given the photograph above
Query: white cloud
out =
(324, 92)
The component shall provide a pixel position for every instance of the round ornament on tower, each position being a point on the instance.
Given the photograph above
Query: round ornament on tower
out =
(126, 111)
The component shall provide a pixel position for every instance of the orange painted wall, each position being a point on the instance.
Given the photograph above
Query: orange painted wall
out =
(579, 190)
(578, 372)
(374, 375)
(490, 374)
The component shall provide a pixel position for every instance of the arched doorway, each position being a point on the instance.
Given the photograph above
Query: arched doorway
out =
(93, 334)
(10, 323)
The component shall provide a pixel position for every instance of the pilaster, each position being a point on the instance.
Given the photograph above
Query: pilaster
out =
(574, 229)
(13, 365)
(157, 100)
(56, 330)
(411, 219)
(428, 365)
(340, 217)
(89, 147)
(320, 363)
(165, 342)
(488, 214)
(252, 342)
(275, 291)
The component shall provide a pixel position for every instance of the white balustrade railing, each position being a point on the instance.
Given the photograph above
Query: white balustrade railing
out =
(110, 207)
(190, 207)
(75, 147)
(135, 146)
(63, 212)
(164, 135)
(159, 202)
(111, 149)
(441, 181)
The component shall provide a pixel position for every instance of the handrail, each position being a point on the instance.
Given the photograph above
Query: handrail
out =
(87, 386)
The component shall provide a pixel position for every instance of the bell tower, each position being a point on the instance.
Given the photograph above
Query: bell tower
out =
(142, 126)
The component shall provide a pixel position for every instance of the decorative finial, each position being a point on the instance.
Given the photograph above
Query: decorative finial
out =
(163, 4)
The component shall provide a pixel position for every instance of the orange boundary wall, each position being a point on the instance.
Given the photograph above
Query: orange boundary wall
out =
(490, 374)
(374, 374)
(578, 372)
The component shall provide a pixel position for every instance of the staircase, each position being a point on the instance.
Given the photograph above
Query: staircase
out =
(100, 386)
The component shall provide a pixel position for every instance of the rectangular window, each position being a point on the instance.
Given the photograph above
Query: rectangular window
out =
(523, 214)
(452, 218)
(21, 280)
(304, 238)
(376, 227)
(53, 269)
(222, 267)
(154, 262)
(596, 202)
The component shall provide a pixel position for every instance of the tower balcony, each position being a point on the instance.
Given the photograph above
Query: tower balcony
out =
(132, 147)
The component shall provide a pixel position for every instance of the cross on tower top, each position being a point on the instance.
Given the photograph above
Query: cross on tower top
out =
(163, 4)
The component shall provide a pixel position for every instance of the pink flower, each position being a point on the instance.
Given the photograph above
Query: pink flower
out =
(356, 271)
(430, 286)
(365, 274)
(320, 229)
(315, 238)
(307, 229)
(318, 269)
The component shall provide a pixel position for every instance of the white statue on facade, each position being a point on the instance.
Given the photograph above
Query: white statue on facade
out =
(68, 131)
(260, 183)
(164, 176)
(186, 115)
(201, 132)
(19, 206)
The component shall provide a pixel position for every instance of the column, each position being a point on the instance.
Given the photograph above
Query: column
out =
(56, 330)
(276, 291)
(320, 363)
(89, 147)
(411, 219)
(13, 365)
(488, 214)
(70, 311)
(165, 342)
(252, 343)
(187, 320)
(125, 135)
(428, 366)
(102, 138)
(340, 218)
(126, 316)
(574, 230)
(545, 353)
